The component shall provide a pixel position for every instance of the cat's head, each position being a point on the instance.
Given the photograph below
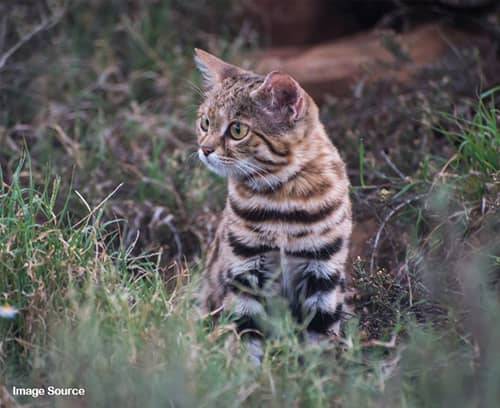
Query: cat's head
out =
(248, 123)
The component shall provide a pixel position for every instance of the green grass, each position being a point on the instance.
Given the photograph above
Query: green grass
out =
(97, 318)
(92, 315)
(479, 141)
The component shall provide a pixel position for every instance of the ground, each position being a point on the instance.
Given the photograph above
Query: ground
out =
(106, 215)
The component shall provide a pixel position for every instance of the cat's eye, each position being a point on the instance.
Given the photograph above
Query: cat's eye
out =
(204, 123)
(238, 130)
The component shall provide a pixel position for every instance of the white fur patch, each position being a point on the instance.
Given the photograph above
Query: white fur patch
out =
(208, 77)
(323, 301)
(255, 350)
(213, 163)
(247, 306)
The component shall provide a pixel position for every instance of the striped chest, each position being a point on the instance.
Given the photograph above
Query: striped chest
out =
(292, 225)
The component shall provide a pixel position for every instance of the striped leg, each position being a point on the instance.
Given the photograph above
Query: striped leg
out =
(317, 295)
(249, 282)
(246, 284)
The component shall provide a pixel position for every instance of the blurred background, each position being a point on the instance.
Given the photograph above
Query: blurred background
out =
(101, 96)
(104, 92)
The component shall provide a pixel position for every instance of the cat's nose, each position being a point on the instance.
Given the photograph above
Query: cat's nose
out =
(207, 150)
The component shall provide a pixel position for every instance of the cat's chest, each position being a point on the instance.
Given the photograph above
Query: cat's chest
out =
(274, 229)
(281, 236)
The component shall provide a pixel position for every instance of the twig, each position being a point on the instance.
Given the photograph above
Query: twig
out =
(392, 165)
(408, 280)
(384, 222)
(93, 211)
(442, 172)
(72, 147)
(388, 368)
(377, 343)
(43, 26)
(212, 313)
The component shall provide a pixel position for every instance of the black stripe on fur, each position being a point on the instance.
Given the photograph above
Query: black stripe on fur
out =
(311, 284)
(247, 251)
(296, 216)
(249, 283)
(323, 320)
(270, 145)
(321, 254)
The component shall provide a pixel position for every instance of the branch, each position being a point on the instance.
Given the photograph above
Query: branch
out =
(394, 168)
(384, 222)
(43, 26)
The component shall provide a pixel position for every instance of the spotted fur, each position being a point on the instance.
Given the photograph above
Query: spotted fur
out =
(287, 221)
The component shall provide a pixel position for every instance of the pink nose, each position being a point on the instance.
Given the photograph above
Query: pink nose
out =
(207, 150)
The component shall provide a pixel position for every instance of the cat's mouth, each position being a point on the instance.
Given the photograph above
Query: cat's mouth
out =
(215, 163)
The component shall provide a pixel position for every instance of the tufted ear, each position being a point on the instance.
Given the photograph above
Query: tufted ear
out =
(281, 93)
(212, 68)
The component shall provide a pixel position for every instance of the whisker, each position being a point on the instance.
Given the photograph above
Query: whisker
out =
(192, 156)
(261, 172)
(194, 87)
(250, 170)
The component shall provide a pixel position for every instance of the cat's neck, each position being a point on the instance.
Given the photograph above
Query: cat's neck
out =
(310, 148)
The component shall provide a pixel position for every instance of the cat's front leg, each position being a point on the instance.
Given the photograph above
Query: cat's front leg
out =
(317, 295)
(238, 280)
(249, 282)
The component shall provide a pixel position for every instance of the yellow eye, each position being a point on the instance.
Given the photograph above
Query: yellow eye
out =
(238, 130)
(204, 123)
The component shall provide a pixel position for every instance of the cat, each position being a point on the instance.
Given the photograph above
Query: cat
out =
(286, 226)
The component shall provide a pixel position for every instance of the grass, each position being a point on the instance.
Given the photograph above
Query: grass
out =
(478, 138)
(103, 320)
(94, 317)
(104, 225)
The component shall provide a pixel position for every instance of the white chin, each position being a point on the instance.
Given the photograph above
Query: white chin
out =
(213, 164)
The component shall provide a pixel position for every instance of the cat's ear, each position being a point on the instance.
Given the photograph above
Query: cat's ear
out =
(281, 93)
(212, 68)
